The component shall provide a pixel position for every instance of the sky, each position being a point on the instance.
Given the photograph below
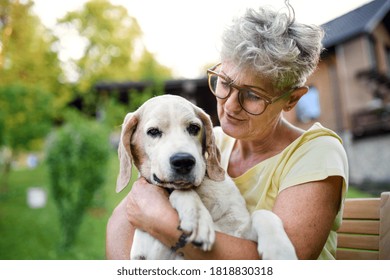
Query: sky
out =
(184, 35)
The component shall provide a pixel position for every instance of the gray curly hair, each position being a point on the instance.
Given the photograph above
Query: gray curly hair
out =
(273, 45)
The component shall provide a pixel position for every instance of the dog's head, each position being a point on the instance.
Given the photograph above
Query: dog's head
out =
(171, 143)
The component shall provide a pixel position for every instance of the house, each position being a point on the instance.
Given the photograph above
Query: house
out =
(350, 91)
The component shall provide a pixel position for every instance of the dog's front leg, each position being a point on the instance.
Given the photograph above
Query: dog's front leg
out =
(195, 219)
(273, 242)
(146, 247)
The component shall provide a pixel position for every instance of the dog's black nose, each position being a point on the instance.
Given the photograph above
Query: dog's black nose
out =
(182, 163)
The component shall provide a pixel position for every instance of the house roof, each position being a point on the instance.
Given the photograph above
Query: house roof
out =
(362, 20)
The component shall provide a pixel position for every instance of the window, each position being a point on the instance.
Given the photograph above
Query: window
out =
(388, 60)
(372, 52)
(308, 107)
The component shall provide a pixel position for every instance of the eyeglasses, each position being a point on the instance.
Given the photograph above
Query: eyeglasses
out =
(252, 101)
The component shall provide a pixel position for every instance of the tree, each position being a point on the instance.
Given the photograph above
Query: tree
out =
(26, 49)
(114, 49)
(30, 91)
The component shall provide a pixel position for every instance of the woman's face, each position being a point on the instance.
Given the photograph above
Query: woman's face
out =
(234, 120)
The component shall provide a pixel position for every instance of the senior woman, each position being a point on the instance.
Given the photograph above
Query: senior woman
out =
(301, 176)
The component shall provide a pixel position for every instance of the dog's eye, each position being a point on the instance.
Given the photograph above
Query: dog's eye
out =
(154, 132)
(193, 129)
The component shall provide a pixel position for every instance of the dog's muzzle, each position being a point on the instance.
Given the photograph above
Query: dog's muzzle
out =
(181, 175)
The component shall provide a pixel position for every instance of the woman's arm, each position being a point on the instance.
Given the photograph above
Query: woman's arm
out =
(308, 212)
(119, 234)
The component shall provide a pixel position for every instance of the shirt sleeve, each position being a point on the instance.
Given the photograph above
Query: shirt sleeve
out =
(314, 161)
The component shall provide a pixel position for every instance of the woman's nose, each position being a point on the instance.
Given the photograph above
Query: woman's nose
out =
(231, 103)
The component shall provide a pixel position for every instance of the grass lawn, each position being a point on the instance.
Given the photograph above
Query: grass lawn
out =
(35, 233)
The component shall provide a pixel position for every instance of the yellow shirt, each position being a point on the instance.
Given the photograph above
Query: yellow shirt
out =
(315, 155)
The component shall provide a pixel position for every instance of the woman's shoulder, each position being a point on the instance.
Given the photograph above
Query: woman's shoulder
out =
(317, 155)
(318, 146)
(320, 135)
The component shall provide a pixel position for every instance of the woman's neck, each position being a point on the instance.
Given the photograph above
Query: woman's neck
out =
(248, 153)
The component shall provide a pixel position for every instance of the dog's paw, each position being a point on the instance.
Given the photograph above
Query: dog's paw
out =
(200, 228)
(276, 249)
(273, 242)
(195, 219)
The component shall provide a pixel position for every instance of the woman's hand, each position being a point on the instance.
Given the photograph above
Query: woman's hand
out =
(147, 205)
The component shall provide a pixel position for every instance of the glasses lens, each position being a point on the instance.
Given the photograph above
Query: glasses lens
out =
(218, 86)
(251, 102)
(213, 79)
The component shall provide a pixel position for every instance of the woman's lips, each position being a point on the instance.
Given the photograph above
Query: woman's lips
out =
(230, 117)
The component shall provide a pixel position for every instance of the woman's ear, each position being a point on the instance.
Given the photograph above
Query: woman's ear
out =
(294, 98)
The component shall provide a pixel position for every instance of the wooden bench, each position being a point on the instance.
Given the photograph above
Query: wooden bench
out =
(365, 231)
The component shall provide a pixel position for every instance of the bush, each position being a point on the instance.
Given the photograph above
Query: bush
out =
(77, 158)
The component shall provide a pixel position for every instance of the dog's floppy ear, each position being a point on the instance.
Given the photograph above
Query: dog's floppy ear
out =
(213, 166)
(124, 152)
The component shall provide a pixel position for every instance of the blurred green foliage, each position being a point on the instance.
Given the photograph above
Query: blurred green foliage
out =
(77, 158)
(27, 53)
(24, 124)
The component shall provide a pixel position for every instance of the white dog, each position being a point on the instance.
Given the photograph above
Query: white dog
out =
(171, 143)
